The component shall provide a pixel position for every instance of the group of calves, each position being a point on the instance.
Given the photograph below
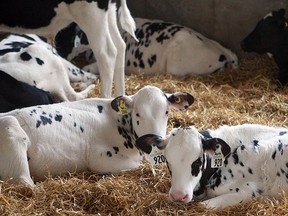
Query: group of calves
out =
(221, 167)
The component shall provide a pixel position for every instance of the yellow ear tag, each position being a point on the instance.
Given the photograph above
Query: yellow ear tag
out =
(178, 100)
(122, 107)
(286, 24)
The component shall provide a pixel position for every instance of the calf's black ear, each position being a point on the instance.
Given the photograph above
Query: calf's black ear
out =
(281, 12)
(146, 142)
(211, 144)
(180, 100)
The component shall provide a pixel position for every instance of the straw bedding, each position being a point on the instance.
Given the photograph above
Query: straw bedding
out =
(249, 94)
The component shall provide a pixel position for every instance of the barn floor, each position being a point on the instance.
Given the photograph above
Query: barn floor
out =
(249, 94)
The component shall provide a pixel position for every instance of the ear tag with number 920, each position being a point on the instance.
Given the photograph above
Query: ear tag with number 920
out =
(217, 159)
(156, 156)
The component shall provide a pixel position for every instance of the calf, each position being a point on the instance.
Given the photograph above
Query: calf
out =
(15, 94)
(97, 18)
(226, 166)
(92, 134)
(162, 47)
(29, 59)
(271, 36)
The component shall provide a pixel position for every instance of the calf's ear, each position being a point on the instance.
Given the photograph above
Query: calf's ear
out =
(210, 145)
(122, 104)
(180, 100)
(281, 12)
(146, 142)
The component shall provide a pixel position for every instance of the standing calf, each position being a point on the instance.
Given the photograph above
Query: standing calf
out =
(97, 18)
(226, 166)
(92, 134)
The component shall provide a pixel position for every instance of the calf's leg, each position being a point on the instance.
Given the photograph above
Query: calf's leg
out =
(226, 200)
(13, 152)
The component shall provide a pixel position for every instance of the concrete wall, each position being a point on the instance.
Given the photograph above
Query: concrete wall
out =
(226, 21)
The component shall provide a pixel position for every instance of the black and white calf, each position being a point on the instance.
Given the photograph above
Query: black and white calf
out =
(97, 18)
(226, 166)
(163, 47)
(92, 134)
(31, 60)
(15, 94)
(271, 36)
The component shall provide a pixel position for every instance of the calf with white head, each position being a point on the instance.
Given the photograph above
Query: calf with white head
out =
(30, 59)
(226, 166)
(97, 18)
(92, 134)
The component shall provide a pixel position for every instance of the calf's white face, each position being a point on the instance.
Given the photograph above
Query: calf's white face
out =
(184, 157)
(150, 108)
(185, 150)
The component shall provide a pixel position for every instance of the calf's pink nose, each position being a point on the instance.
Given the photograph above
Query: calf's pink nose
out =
(179, 196)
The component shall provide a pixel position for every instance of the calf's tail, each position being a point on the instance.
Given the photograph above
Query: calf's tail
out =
(126, 20)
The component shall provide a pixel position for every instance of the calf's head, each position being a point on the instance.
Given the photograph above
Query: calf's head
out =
(185, 150)
(149, 108)
(269, 34)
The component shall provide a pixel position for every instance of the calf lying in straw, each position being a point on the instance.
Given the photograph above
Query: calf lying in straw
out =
(93, 134)
(226, 166)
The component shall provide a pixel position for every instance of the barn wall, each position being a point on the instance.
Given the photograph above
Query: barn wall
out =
(227, 21)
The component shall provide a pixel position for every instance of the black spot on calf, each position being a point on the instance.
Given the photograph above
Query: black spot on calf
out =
(222, 58)
(259, 191)
(45, 120)
(231, 173)
(280, 145)
(109, 154)
(255, 142)
(235, 156)
(39, 61)
(152, 60)
(199, 38)
(195, 167)
(120, 131)
(25, 56)
(58, 117)
(162, 37)
(100, 108)
(274, 155)
(116, 149)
